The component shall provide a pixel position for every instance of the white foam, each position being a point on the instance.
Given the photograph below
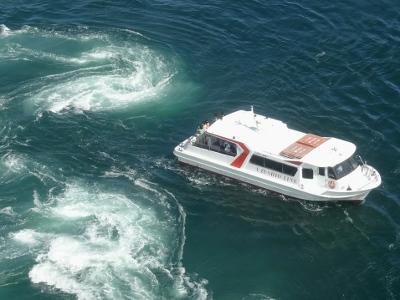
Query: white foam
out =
(27, 236)
(9, 211)
(4, 30)
(52, 275)
(14, 163)
(126, 172)
(312, 207)
(143, 77)
(120, 243)
(42, 172)
(257, 296)
(197, 178)
(135, 32)
(126, 73)
(3, 103)
(80, 34)
(100, 54)
(36, 200)
(348, 218)
(15, 51)
(112, 75)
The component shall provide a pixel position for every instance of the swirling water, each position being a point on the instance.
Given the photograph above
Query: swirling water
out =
(94, 95)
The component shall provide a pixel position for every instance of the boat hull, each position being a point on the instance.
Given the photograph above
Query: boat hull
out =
(292, 192)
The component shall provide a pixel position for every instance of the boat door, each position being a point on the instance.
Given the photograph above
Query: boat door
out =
(307, 178)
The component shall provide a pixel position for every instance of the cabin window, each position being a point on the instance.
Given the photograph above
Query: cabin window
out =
(216, 144)
(346, 167)
(257, 160)
(289, 170)
(321, 171)
(331, 173)
(308, 173)
(273, 165)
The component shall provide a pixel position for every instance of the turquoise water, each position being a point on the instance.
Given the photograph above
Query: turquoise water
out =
(94, 95)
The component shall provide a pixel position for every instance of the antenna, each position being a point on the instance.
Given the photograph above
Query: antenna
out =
(254, 115)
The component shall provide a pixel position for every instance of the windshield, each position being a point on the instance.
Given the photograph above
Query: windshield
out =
(344, 168)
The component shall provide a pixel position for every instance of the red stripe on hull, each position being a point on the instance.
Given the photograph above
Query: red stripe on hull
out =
(238, 162)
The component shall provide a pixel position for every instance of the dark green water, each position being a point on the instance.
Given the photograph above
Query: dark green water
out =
(94, 95)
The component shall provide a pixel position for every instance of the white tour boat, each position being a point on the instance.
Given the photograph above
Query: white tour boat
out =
(266, 153)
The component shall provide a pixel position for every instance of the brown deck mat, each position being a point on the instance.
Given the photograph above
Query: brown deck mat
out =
(303, 146)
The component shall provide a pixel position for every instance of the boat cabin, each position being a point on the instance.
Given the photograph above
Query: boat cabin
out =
(277, 151)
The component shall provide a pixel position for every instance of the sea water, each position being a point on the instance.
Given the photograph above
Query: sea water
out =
(95, 95)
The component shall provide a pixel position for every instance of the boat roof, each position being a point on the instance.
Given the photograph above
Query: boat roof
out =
(271, 137)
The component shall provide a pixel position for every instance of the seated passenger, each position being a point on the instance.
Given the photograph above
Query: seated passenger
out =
(227, 148)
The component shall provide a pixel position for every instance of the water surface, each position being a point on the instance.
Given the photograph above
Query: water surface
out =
(94, 95)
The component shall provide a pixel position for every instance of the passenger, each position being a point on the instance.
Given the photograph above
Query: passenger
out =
(208, 142)
(221, 145)
(199, 128)
(227, 148)
(200, 133)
